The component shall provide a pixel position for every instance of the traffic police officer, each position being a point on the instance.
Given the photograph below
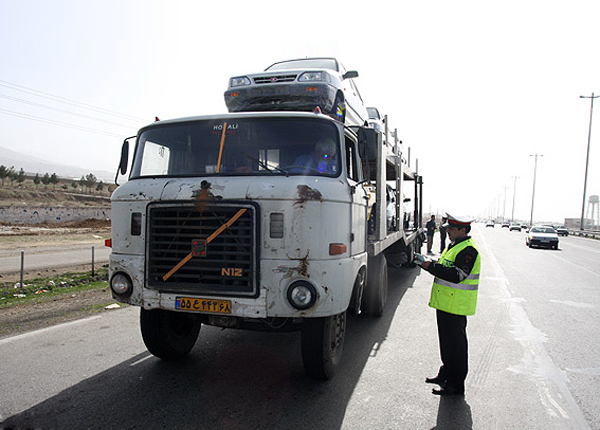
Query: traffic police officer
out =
(454, 296)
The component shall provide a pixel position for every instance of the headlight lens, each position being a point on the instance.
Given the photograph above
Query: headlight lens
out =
(311, 77)
(302, 295)
(238, 82)
(121, 284)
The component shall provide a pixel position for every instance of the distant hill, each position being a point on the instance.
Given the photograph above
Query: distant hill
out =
(33, 165)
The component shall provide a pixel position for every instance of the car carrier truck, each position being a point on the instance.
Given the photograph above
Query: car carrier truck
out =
(266, 221)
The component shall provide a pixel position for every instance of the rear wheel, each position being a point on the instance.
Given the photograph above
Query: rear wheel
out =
(411, 255)
(375, 294)
(169, 335)
(323, 344)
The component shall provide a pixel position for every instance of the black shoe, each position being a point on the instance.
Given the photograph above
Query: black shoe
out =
(449, 391)
(437, 380)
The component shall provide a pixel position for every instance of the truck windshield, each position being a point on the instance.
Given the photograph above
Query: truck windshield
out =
(247, 146)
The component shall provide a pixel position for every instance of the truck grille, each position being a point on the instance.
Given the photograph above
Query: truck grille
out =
(227, 265)
(274, 79)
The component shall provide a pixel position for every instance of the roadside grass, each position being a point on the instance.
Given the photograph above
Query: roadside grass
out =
(42, 289)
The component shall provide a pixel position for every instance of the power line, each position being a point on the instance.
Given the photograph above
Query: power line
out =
(62, 124)
(68, 101)
(60, 110)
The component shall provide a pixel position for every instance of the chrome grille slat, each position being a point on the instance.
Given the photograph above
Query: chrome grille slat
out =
(230, 265)
(274, 79)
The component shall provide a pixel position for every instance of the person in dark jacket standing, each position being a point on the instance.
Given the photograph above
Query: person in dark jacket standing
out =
(443, 234)
(454, 296)
(430, 232)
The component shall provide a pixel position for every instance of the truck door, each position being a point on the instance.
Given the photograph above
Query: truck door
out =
(359, 197)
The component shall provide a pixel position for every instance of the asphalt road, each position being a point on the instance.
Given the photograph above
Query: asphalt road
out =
(45, 257)
(534, 364)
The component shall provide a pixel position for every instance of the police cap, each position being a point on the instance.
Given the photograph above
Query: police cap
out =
(458, 221)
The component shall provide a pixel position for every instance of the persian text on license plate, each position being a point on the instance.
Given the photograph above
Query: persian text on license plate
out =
(203, 305)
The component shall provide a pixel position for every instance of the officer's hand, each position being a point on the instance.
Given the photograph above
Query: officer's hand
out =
(422, 260)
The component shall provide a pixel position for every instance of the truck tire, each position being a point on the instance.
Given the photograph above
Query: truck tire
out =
(338, 111)
(375, 294)
(322, 345)
(169, 335)
(411, 255)
(357, 292)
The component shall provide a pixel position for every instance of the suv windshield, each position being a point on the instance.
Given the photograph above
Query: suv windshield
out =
(309, 63)
(245, 146)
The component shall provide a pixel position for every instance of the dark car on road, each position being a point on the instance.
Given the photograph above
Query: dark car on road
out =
(561, 230)
(300, 85)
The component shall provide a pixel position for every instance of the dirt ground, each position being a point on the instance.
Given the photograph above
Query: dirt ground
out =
(53, 310)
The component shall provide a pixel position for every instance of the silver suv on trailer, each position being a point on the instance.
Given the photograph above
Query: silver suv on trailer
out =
(300, 85)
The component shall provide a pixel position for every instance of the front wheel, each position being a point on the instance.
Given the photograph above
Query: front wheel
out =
(338, 110)
(375, 294)
(323, 344)
(169, 335)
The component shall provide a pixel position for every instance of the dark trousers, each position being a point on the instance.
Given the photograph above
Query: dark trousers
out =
(452, 333)
(442, 241)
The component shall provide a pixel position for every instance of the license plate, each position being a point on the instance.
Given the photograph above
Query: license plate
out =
(277, 90)
(203, 305)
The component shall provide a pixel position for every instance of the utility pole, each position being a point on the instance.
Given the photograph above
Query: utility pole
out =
(533, 193)
(504, 207)
(514, 195)
(587, 158)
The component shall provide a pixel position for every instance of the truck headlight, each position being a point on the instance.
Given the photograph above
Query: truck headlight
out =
(121, 284)
(302, 295)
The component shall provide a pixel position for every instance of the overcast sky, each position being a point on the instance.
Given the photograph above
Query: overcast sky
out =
(473, 87)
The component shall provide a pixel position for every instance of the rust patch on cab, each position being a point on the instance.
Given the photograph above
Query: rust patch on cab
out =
(307, 193)
(204, 195)
(301, 269)
(303, 266)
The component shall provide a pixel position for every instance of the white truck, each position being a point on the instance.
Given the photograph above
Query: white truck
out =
(238, 221)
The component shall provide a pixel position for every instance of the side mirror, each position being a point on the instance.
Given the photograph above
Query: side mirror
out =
(351, 74)
(367, 143)
(124, 157)
(124, 162)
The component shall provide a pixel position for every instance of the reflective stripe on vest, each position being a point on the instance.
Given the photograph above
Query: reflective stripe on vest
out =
(457, 298)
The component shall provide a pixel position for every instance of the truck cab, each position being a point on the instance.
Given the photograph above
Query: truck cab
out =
(248, 220)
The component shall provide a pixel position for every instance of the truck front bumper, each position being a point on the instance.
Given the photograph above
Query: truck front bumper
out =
(333, 281)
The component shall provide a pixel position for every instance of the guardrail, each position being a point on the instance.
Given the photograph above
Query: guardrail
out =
(593, 234)
(23, 267)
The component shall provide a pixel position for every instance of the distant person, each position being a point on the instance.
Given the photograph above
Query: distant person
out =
(430, 232)
(454, 296)
(322, 159)
(443, 234)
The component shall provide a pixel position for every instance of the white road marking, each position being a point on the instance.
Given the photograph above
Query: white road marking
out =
(45, 330)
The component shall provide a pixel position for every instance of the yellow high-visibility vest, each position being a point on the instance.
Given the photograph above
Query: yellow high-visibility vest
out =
(461, 298)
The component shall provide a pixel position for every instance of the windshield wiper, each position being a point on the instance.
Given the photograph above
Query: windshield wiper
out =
(265, 165)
